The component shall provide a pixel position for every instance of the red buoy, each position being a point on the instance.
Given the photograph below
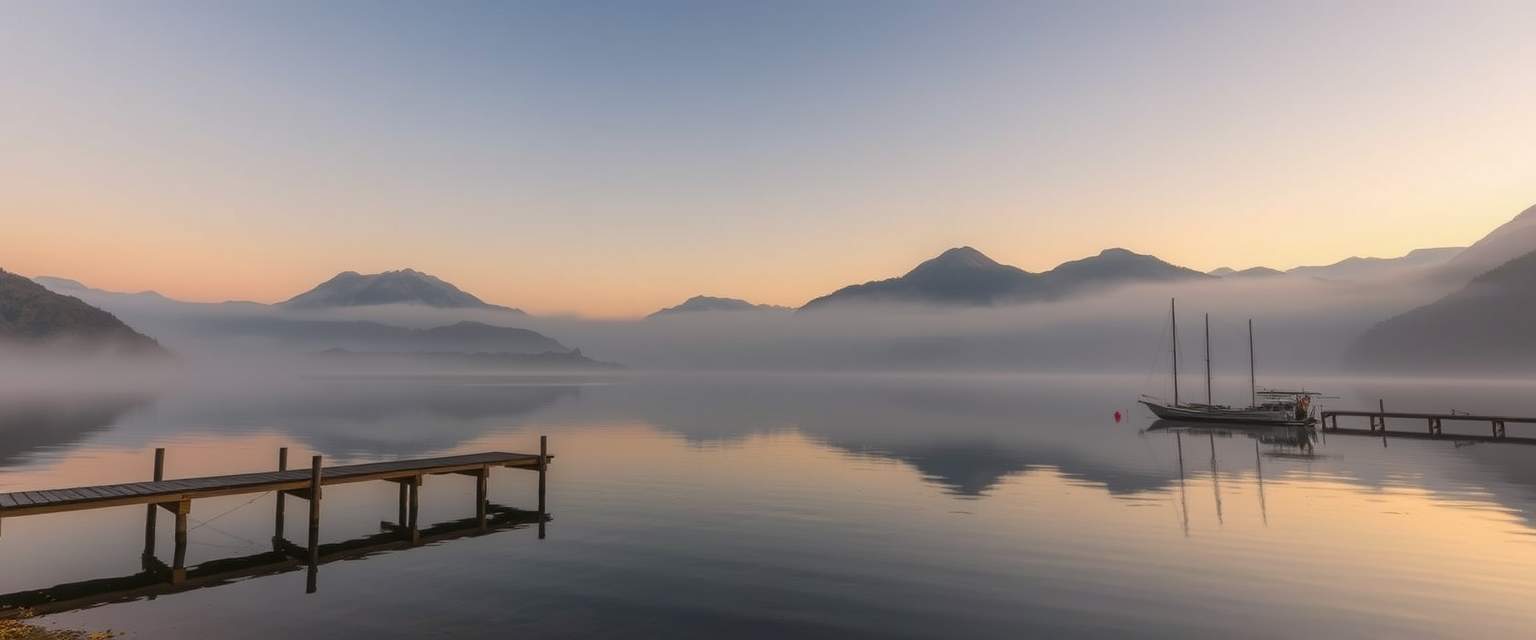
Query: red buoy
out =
(1117, 416)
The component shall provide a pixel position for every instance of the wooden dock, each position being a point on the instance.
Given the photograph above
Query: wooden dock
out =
(176, 496)
(1434, 424)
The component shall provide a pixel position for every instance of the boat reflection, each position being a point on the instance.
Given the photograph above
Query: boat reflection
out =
(155, 580)
(1285, 441)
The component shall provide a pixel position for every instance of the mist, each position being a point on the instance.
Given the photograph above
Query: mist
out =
(1302, 325)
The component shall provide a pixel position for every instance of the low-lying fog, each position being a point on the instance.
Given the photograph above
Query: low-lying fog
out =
(1302, 325)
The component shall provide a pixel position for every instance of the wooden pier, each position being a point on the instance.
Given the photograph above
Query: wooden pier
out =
(1434, 424)
(176, 496)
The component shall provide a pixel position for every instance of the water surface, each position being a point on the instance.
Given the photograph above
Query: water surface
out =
(894, 506)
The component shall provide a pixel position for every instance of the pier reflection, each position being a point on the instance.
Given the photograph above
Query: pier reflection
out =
(159, 579)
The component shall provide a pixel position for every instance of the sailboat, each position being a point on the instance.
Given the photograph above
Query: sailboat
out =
(1266, 408)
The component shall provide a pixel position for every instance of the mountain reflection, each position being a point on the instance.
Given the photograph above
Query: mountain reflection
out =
(356, 418)
(37, 423)
(965, 436)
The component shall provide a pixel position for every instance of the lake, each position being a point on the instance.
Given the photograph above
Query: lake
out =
(813, 505)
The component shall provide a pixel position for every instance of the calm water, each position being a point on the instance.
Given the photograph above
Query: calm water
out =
(814, 506)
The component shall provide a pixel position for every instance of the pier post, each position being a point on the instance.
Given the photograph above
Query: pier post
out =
(179, 563)
(405, 497)
(481, 489)
(314, 509)
(413, 532)
(543, 469)
(149, 517)
(277, 529)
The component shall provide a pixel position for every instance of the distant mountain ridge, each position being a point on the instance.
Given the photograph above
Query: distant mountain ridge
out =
(964, 276)
(711, 303)
(32, 315)
(1365, 268)
(1483, 326)
(1509, 241)
(1252, 272)
(405, 286)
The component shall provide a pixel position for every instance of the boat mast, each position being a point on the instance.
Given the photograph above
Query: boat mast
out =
(1173, 315)
(1253, 371)
(1209, 400)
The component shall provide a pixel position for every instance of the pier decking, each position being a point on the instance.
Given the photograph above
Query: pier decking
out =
(1434, 425)
(176, 496)
(297, 482)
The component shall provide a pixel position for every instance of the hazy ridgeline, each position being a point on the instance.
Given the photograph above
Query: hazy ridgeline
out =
(1303, 325)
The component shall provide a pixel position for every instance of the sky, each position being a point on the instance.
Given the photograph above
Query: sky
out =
(610, 158)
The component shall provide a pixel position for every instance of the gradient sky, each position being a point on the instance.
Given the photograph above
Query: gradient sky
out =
(610, 158)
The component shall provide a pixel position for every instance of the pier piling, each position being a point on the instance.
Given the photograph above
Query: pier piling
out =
(277, 525)
(149, 518)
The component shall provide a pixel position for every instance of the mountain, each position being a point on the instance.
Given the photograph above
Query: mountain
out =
(966, 277)
(710, 303)
(1358, 268)
(1511, 240)
(406, 286)
(1254, 272)
(195, 325)
(1113, 267)
(959, 276)
(1483, 326)
(31, 314)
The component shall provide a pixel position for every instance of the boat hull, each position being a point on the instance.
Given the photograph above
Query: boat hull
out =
(1222, 415)
(1298, 436)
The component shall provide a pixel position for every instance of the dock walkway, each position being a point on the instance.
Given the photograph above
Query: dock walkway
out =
(1434, 425)
(176, 496)
(25, 503)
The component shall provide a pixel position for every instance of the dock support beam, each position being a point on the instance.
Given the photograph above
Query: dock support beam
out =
(181, 509)
(481, 489)
(405, 499)
(277, 528)
(543, 468)
(314, 509)
(149, 518)
(410, 507)
(412, 531)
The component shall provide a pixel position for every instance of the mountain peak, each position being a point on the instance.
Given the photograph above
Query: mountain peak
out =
(964, 256)
(712, 303)
(958, 260)
(403, 286)
(1117, 252)
(965, 276)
